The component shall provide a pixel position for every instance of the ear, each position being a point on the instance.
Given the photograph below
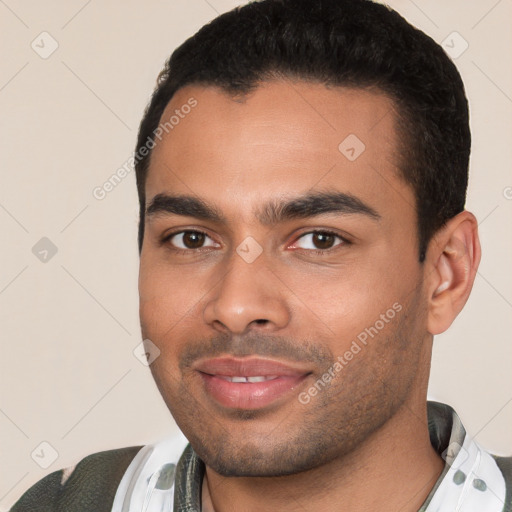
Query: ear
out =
(452, 261)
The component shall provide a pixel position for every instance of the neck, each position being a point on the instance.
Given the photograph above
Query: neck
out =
(394, 470)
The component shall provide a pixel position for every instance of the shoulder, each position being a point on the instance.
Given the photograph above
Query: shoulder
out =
(505, 465)
(89, 485)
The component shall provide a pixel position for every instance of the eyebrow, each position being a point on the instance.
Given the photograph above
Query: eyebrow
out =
(273, 212)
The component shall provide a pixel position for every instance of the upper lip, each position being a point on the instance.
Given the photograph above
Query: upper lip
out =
(248, 367)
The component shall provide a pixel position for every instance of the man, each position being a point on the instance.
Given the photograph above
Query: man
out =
(302, 172)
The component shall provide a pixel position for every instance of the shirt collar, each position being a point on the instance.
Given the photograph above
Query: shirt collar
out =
(471, 480)
(168, 475)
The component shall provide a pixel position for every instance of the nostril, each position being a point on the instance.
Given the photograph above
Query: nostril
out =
(261, 321)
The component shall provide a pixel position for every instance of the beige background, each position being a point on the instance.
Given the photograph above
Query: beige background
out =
(69, 326)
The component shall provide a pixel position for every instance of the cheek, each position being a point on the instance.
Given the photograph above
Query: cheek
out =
(362, 303)
(161, 322)
(165, 295)
(157, 301)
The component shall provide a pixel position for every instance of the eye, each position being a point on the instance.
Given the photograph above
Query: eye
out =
(189, 240)
(319, 241)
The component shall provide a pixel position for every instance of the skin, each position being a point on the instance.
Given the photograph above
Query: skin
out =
(364, 436)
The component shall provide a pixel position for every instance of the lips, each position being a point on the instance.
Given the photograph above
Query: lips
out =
(249, 383)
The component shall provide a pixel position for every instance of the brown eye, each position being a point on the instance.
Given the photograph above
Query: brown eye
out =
(319, 240)
(193, 239)
(190, 240)
(323, 240)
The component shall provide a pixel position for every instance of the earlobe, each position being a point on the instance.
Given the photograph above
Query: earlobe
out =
(455, 256)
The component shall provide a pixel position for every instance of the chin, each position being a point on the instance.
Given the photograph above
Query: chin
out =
(231, 456)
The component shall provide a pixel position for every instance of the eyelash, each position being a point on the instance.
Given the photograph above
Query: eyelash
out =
(317, 252)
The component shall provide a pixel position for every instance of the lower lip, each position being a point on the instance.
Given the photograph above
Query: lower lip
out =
(249, 395)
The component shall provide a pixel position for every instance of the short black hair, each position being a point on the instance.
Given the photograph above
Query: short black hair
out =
(353, 43)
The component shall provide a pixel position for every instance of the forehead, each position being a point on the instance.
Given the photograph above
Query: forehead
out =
(284, 138)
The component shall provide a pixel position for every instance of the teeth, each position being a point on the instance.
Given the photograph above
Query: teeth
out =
(257, 379)
(254, 379)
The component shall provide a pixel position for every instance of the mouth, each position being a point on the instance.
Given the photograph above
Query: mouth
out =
(238, 379)
(249, 383)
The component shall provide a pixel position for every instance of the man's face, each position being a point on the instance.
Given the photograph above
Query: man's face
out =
(287, 335)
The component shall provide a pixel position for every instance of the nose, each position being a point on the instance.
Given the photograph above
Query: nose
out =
(248, 296)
